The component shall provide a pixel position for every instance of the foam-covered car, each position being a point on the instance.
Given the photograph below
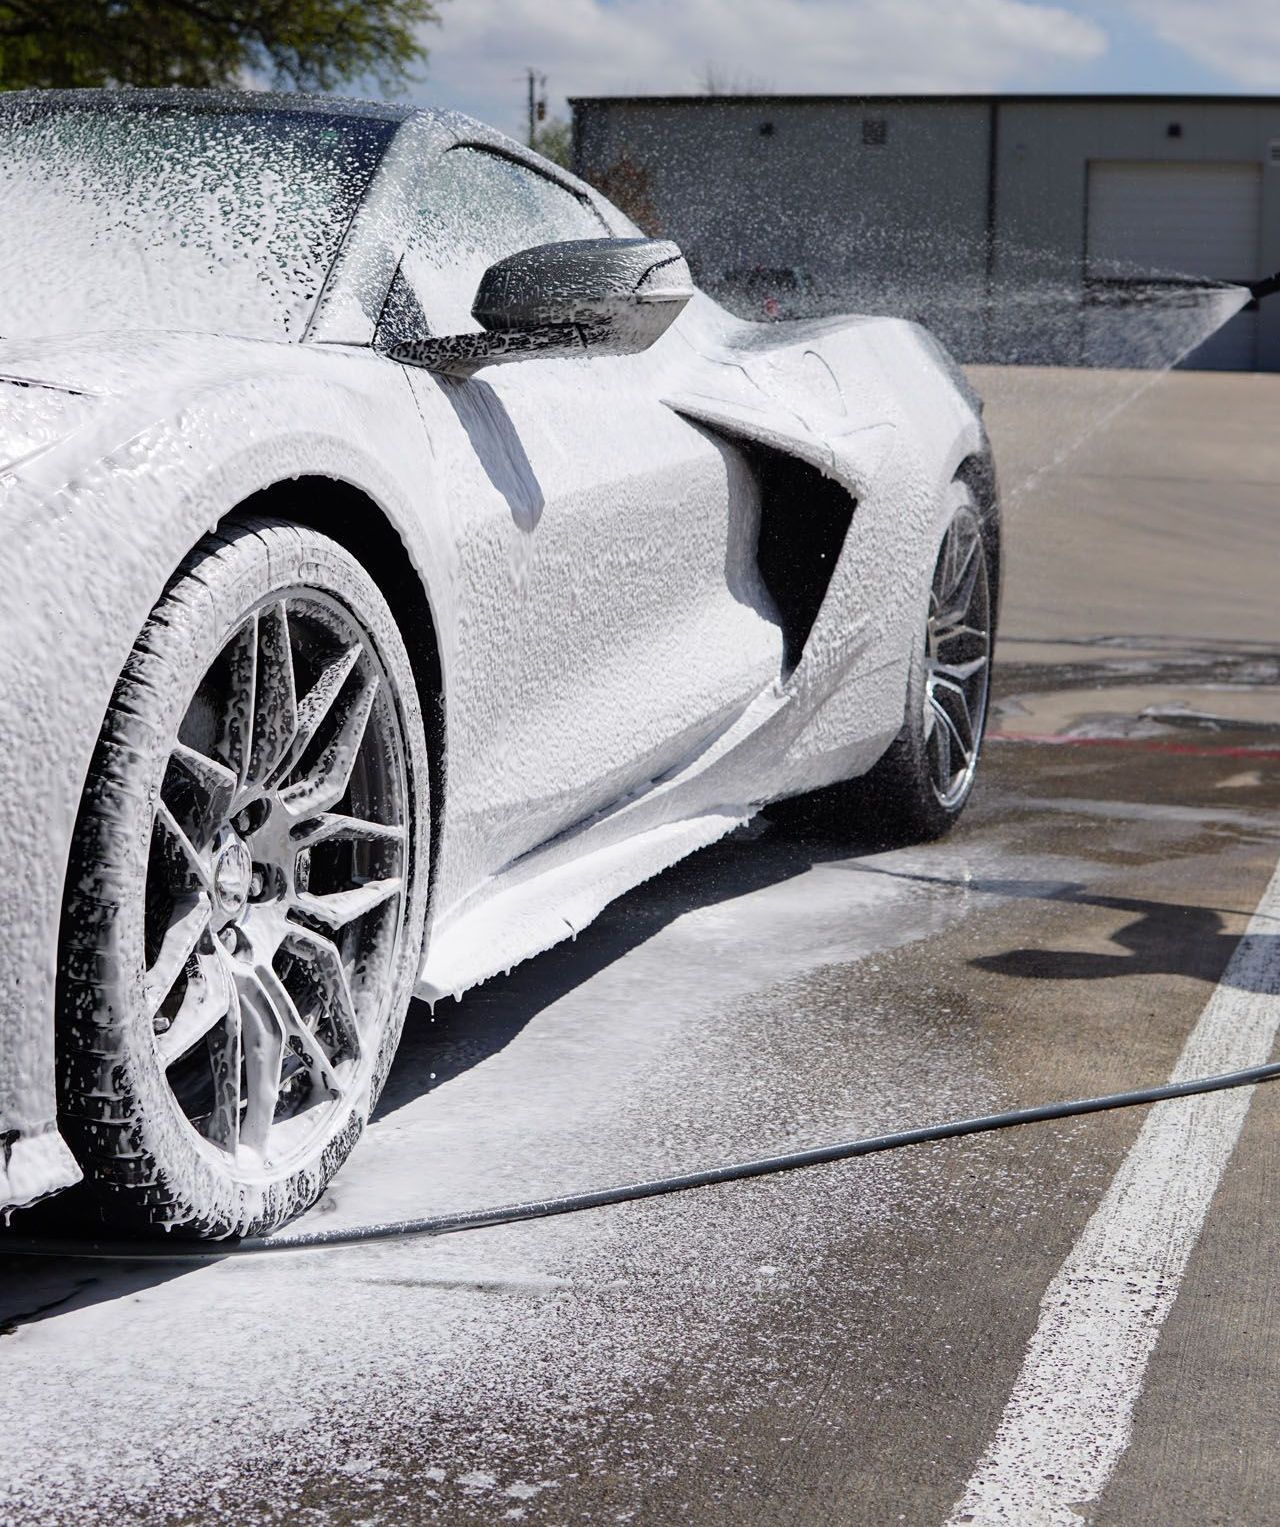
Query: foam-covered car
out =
(401, 560)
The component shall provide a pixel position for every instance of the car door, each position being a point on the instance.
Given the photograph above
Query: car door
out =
(610, 615)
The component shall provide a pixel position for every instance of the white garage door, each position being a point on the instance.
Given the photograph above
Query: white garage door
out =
(1152, 218)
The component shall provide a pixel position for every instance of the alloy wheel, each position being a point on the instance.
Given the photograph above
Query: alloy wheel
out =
(957, 660)
(276, 883)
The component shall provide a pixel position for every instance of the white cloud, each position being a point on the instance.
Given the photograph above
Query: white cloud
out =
(1238, 39)
(589, 47)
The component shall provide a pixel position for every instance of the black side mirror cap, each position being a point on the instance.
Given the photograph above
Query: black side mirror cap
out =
(584, 296)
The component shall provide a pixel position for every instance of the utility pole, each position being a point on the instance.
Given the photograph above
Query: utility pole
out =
(537, 102)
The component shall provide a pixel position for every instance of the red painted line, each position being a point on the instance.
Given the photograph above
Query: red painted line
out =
(1141, 744)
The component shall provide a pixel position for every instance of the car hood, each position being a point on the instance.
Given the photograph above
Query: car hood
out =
(50, 388)
(113, 365)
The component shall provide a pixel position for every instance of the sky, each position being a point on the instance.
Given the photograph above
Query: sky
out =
(481, 48)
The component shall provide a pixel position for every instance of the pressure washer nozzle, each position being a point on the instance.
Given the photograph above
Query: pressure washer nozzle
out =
(1267, 287)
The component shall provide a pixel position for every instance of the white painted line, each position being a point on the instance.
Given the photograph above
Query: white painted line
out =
(1069, 1418)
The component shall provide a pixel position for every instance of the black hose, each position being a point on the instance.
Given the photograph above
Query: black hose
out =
(1267, 287)
(571, 1203)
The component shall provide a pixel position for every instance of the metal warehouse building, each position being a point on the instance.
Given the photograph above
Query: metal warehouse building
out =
(1014, 225)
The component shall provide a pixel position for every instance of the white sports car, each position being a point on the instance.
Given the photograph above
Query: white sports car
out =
(402, 560)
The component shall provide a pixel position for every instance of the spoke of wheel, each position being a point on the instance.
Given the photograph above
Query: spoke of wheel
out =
(262, 1052)
(961, 723)
(179, 942)
(205, 1003)
(317, 702)
(275, 700)
(235, 742)
(215, 782)
(305, 1044)
(324, 960)
(326, 783)
(336, 909)
(940, 735)
(951, 734)
(949, 574)
(942, 635)
(328, 826)
(961, 673)
(182, 854)
(223, 1125)
(958, 600)
(964, 570)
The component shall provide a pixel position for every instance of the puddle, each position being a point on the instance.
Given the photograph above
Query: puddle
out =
(1132, 710)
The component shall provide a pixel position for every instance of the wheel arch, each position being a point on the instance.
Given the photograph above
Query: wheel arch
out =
(348, 515)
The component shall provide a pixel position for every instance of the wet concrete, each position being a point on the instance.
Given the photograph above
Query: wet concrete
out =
(831, 1347)
(1140, 508)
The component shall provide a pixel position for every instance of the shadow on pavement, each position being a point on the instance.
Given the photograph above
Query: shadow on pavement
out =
(1164, 939)
(34, 1288)
(438, 1047)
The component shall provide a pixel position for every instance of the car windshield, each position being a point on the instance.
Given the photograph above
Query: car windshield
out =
(159, 216)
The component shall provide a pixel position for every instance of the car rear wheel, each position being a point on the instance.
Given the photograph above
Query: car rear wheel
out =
(245, 899)
(923, 782)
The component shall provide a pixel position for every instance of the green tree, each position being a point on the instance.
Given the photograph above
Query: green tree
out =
(554, 141)
(304, 44)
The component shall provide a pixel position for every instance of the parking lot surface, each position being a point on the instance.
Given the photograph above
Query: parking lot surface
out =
(1066, 1322)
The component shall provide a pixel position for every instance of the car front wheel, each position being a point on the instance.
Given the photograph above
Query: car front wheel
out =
(245, 899)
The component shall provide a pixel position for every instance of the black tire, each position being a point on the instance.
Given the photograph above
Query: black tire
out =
(903, 800)
(270, 675)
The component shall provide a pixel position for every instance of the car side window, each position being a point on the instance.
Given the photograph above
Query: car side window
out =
(478, 207)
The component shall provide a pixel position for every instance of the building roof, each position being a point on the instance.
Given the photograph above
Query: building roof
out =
(802, 99)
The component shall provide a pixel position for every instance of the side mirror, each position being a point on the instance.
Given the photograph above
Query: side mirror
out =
(583, 297)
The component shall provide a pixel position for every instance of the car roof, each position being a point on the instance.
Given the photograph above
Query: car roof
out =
(455, 124)
(231, 100)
